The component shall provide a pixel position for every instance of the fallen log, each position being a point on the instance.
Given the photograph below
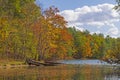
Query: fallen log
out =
(37, 63)
(32, 62)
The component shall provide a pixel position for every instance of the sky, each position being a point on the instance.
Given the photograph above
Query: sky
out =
(97, 16)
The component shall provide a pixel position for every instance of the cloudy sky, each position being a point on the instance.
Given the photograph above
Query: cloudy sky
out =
(97, 16)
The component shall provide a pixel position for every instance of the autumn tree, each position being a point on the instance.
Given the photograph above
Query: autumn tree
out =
(27, 32)
(63, 39)
(15, 20)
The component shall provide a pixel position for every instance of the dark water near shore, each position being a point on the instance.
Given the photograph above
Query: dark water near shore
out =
(71, 70)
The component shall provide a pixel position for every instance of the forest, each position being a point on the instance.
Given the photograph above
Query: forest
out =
(26, 31)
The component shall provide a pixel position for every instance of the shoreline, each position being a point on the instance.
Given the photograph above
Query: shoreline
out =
(11, 63)
(8, 66)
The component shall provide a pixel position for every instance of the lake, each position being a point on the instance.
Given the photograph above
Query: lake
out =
(70, 70)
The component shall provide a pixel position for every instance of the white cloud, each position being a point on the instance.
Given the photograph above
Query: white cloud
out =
(69, 15)
(97, 24)
(101, 16)
(100, 13)
(80, 28)
(97, 32)
(113, 30)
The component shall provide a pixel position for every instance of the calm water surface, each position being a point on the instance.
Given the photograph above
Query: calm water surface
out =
(71, 70)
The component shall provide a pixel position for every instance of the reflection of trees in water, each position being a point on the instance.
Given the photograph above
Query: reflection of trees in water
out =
(114, 74)
(89, 72)
(63, 72)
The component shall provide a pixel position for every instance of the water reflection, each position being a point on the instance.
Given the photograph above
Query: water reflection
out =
(114, 75)
(62, 72)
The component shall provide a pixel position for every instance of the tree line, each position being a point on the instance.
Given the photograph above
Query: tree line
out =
(94, 46)
(28, 32)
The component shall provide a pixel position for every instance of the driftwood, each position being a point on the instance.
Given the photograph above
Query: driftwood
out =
(37, 63)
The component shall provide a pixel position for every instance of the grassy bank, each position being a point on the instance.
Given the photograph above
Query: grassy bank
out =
(11, 63)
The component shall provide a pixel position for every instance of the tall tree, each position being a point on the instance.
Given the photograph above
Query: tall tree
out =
(57, 33)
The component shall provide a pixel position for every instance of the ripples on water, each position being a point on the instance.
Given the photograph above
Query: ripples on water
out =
(72, 70)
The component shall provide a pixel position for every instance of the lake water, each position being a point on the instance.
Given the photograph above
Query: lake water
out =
(70, 70)
(83, 62)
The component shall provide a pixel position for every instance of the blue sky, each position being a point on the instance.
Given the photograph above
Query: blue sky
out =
(71, 4)
(97, 16)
